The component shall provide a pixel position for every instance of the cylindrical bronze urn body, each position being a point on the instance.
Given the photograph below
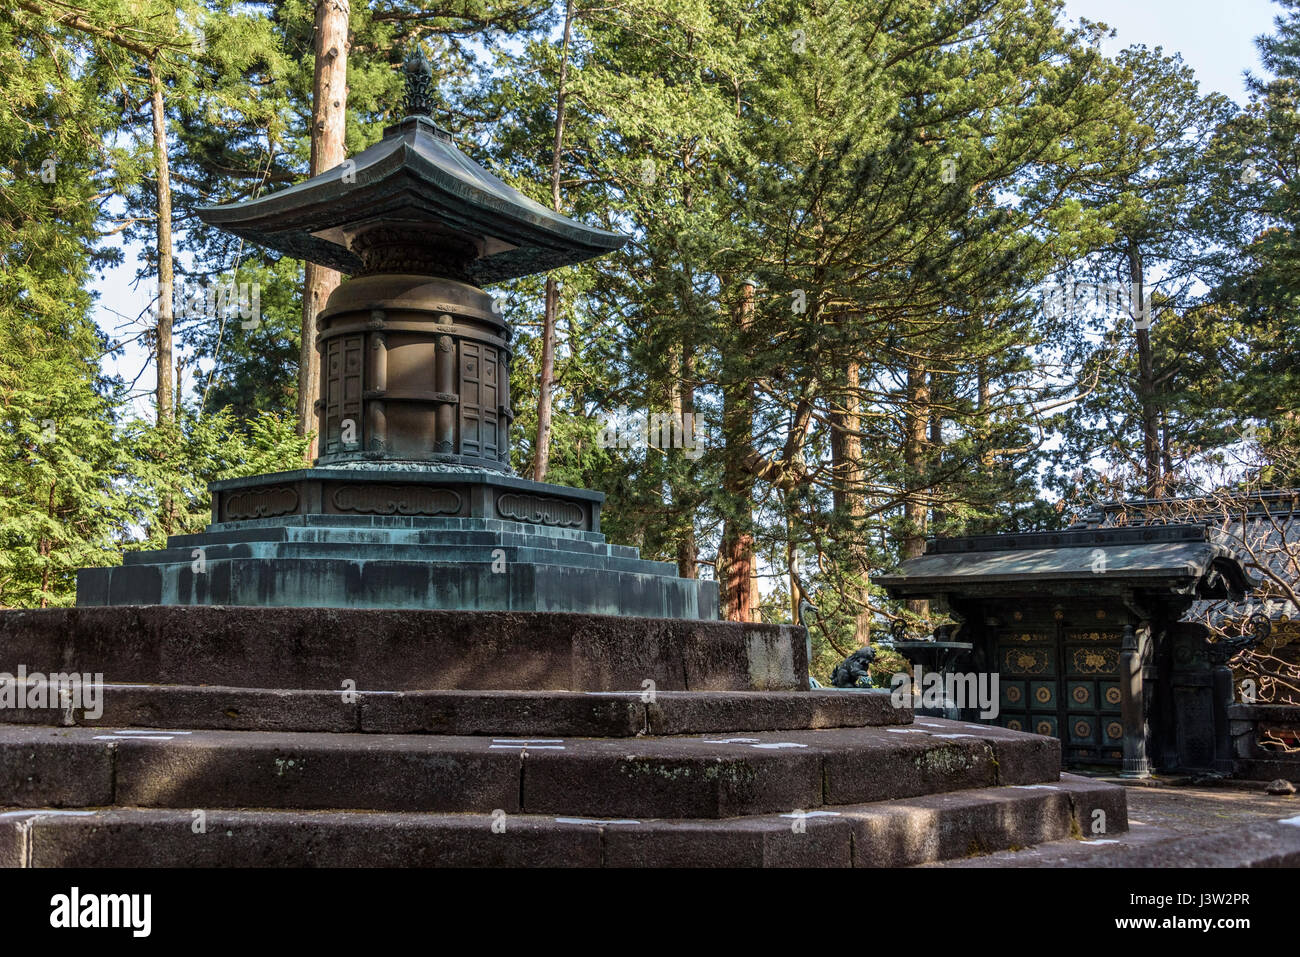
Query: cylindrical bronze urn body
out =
(413, 369)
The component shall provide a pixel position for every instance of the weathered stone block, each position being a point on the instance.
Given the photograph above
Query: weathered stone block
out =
(322, 648)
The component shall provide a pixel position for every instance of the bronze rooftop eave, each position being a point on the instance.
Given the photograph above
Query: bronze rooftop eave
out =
(414, 203)
(414, 177)
(1177, 560)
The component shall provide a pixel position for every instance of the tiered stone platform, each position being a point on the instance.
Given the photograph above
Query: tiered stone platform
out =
(386, 537)
(353, 737)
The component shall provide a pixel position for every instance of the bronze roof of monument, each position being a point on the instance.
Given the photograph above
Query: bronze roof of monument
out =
(417, 190)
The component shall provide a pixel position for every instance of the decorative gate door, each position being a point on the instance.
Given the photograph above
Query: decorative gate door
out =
(1064, 682)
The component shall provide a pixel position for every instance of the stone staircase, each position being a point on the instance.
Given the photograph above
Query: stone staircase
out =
(176, 771)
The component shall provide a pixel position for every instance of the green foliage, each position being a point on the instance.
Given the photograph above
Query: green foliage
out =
(173, 466)
(63, 473)
(61, 467)
(896, 181)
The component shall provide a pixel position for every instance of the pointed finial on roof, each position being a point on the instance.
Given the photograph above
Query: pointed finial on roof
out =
(418, 77)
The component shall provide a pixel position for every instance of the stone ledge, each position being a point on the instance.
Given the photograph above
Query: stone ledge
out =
(901, 833)
(696, 776)
(538, 713)
(401, 650)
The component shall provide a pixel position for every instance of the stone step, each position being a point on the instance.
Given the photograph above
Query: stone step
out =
(882, 834)
(539, 713)
(704, 776)
(401, 650)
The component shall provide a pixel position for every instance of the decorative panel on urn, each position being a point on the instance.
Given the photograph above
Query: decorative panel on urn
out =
(344, 362)
(478, 400)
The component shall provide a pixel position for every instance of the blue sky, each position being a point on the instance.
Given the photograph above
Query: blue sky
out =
(1215, 37)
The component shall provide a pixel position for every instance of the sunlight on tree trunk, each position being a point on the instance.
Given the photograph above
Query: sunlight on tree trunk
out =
(329, 124)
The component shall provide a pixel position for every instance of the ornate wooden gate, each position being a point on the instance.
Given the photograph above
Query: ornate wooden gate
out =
(1064, 682)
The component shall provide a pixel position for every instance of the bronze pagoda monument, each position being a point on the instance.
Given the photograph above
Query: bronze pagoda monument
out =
(411, 503)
